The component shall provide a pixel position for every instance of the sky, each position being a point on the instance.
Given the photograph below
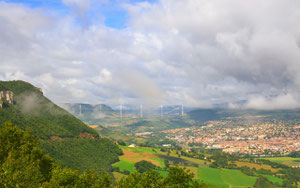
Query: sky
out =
(198, 53)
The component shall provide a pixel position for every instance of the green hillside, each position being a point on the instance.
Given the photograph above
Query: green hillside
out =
(35, 112)
(64, 137)
(24, 164)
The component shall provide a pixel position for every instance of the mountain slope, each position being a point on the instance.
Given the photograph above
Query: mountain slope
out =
(35, 112)
(64, 137)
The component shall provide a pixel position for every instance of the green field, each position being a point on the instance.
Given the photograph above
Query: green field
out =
(133, 155)
(285, 160)
(140, 149)
(219, 177)
(225, 177)
(274, 179)
(125, 164)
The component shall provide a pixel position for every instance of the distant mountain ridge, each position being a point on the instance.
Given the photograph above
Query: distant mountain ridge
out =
(91, 114)
(87, 109)
(203, 115)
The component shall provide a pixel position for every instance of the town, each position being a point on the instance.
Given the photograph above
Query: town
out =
(253, 138)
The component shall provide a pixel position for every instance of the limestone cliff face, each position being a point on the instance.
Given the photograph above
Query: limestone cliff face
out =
(6, 95)
(41, 90)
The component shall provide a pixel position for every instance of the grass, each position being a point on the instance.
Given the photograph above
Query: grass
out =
(143, 153)
(225, 177)
(219, 177)
(290, 161)
(140, 149)
(164, 173)
(274, 179)
(125, 164)
(133, 155)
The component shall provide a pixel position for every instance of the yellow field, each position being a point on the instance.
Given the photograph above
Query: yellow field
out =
(93, 126)
(173, 154)
(257, 166)
(194, 170)
(135, 156)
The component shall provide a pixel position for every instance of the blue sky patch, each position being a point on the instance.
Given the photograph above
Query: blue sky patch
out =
(114, 15)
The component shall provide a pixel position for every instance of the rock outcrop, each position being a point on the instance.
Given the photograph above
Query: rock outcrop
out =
(41, 90)
(7, 96)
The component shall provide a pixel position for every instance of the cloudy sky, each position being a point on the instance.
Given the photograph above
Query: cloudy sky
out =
(192, 52)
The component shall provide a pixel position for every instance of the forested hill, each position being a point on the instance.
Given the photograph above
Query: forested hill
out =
(64, 137)
(33, 111)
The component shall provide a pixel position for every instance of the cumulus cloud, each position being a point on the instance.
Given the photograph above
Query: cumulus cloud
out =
(194, 52)
(287, 101)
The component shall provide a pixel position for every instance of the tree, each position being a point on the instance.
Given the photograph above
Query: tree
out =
(168, 152)
(294, 154)
(263, 182)
(143, 166)
(122, 143)
(126, 172)
(180, 177)
(22, 162)
(167, 163)
(177, 178)
(66, 177)
(149, 179)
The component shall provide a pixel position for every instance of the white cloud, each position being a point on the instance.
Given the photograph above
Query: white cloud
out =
(103, 77)
(194, 52)
(287, 101)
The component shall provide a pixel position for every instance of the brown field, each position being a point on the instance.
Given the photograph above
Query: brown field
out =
(257, 166)
(139, 156)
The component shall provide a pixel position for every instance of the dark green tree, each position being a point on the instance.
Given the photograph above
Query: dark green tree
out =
(263, 182)
(143, 166)
(149, 179)
(167, 163)
(181, 177)
(22, 162)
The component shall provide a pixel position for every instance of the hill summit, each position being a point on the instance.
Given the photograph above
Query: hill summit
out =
(28, 108)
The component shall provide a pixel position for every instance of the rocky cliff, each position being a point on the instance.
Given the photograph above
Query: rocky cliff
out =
(7, 96)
